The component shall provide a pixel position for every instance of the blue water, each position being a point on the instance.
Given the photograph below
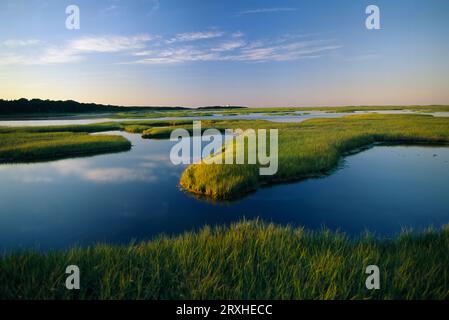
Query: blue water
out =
(299, 117)
(118, 198)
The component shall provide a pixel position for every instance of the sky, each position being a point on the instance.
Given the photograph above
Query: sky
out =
(257, 53)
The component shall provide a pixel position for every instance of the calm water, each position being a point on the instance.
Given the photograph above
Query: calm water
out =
(120, 197)
(300, 117)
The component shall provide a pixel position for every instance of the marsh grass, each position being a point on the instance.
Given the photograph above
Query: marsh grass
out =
(33, 144)
(165, 132)
(31, 147)
(248, 260)
(343, 109)
(312, 148)
(278, 111)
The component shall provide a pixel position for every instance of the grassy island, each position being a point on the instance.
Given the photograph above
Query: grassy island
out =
(32, 147)
(33, 144)
(312, 148)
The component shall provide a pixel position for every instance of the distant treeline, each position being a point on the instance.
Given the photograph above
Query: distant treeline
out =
(47, 106)
(35, 106)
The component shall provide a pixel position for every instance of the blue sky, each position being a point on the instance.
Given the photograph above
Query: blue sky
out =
(210, 52)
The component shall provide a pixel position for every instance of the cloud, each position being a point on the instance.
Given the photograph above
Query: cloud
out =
(11, 59)
(286, 49)
(237, 34)
(194, 36)
(56, 56)
(229, 46)
(178, 55)
(14, 43)
(112, 9)
(84, 170)
(103, 175)
(143, 53)
(73, 50)
(281, 53)
(108, 43)
(181, 48)
(266, 10)
(48, 56)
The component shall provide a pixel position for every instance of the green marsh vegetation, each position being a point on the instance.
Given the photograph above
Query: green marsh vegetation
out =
(164, 132)
(280, 111)
(31, 144)
(312, 148)
(31, 147)
(350, 109)
(293, 111)
(308, 149)
(248, 260)
(344, 109)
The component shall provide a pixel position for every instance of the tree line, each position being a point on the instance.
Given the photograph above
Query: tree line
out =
(34, 106)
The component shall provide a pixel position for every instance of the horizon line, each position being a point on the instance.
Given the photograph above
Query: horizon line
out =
(231, 106)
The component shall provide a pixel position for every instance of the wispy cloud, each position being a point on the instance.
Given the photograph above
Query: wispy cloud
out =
(104, 175)
(229, 46)
(194, 36)
(11, 59)
(73, 50)
(56, 56)
(108, 43)
(240, 50)
(266, 10)
(116, 7)
(14, 43)
(110, 10)
(143, 53)
(237, 34)
(183, 47)
(82, 169)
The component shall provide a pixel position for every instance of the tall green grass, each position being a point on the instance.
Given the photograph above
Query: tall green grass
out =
(30, 144)
(31, 147)
(313, 148)
(249, 260)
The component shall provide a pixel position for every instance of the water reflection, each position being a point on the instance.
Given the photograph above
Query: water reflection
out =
(135, 195)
